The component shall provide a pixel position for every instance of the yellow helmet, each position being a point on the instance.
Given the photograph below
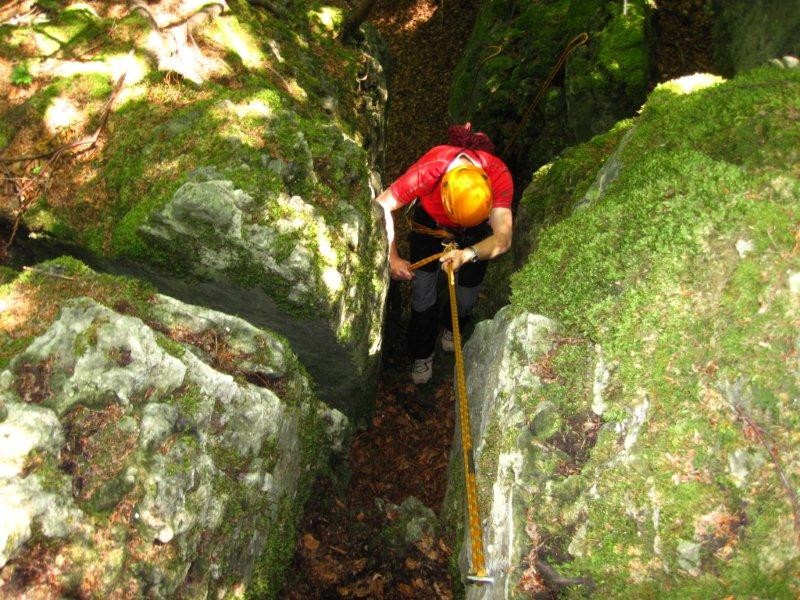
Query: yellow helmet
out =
(467, 195)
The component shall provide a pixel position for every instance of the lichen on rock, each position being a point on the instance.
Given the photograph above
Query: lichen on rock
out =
(137, 446)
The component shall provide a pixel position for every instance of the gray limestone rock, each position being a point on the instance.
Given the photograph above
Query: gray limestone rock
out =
(689, 555)
(499, 381)
(409, 523)
(138, 459)
(208, 227)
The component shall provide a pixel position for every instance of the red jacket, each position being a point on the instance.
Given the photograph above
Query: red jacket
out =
(423, 180)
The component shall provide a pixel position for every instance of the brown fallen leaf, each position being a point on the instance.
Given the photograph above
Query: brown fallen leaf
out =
(310, 542)
(406, 590)
(358, 565)
(371, 589)
(326, 573)
(412, 564)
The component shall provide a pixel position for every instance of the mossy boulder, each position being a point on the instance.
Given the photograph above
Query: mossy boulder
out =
(605, 80)
(661, 422)
(240, 149)
(152, 448)
(746, 34)
(408, 525)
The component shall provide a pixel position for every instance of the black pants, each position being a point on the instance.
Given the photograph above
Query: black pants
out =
(425, 310)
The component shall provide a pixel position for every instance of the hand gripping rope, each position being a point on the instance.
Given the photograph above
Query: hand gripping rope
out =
(478, 574)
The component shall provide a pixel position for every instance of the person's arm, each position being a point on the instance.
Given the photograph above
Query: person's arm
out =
(501, 222)
(417, 180)
(398, 267)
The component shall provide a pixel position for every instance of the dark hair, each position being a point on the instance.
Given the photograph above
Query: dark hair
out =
(462, 135)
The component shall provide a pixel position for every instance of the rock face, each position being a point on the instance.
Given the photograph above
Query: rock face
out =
(646, 445)
(327, 303)
(505, 427)
(605, 80)
(746, 34)
(515, 44)
(240, 153)
(163, 454)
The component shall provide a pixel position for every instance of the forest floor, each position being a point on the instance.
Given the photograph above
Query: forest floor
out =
(344, 548)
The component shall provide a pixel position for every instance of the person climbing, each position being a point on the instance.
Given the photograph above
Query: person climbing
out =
(465, 195)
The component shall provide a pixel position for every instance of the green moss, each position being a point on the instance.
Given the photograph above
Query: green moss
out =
(170, 346)
(269, 567)
(570, 390)
(66, 30)
(559, 186)
(40, 101)
(87, 338)
(21, 75)
(11, 346)
(7, 275)
(605, 79)
(623, 51)
(656, 270)
(40, 218)
(52, 478)
(191, 400)
(228, 460)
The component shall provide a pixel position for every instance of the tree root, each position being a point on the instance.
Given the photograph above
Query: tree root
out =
(556, 581)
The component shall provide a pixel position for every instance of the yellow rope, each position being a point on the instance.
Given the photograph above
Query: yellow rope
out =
(425, 261)
(473, 512)
(439, 233)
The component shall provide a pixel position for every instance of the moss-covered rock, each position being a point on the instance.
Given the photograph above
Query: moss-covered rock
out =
(605, 80)
(159, 449)
(241, 149)
(747, 34)
(662, 426)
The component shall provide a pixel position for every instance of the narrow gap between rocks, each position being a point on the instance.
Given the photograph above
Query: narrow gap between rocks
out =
(352, 541)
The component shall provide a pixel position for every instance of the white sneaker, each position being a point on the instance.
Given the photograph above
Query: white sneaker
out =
(447, 341)
(422, 370)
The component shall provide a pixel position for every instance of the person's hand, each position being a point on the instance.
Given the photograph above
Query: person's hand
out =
(399, 269)
(457, 258)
